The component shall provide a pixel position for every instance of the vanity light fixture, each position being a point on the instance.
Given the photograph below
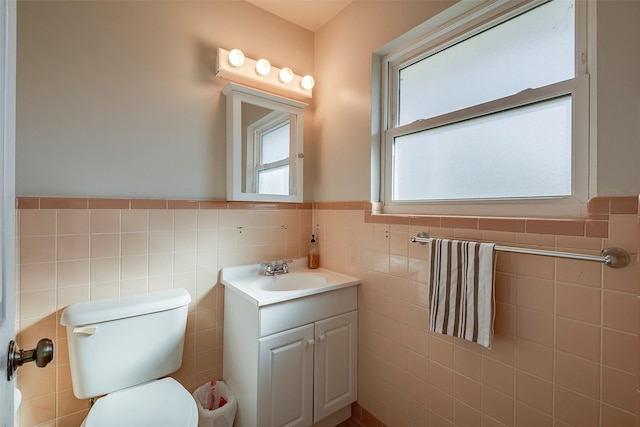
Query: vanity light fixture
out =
(307, 82)
(286, 75)
(235, 66)
(263, 67)
(236, 57)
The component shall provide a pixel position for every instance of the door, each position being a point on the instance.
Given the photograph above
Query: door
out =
(335, 364)
(285, 378)
(7, 199)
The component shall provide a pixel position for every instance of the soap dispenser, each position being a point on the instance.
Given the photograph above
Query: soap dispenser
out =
(314, 254)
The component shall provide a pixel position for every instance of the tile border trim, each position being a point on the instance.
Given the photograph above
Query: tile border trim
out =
(596, 224)
(25, 202)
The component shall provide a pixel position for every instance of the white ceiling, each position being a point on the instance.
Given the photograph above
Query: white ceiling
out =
(309, 14)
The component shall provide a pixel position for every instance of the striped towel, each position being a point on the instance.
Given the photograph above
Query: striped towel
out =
(461, 299)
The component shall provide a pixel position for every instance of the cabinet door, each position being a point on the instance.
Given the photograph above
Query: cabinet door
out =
(285, 378)
(335, 364)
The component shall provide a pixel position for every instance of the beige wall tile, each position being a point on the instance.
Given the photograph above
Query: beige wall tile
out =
(468, 363)
(186, 219)
(586, 273)
(37, 249)
(134, 266)
(526, 416)
(37, 303)
(620, 311)
(134, 244)
(623, 279)
(35, 277)
(38, 410)
(577, 374)
(498, 406)
(534, 392)
(105, 270)
(620, 350)
(105, 245)
(468, 391)
(498, 376)
(73, 247)
(441, 377)
(579, 339)
(104, 221)
(41, 222)
(535, 326)
(441, 403)
(135, 220)
(535, 266)
(105, 290)
(575, 409)
(73, 221)
(619, 389)
(534, 359)
(535, 294)
(619, 236)
(578, 302)
(466, 416)
(71, 295)
(161, 220)
(614, 417)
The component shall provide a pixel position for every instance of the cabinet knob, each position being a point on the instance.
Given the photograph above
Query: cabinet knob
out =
(311, 342)
(322, 337)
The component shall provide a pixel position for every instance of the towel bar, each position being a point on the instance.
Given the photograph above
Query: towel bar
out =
(611, 257)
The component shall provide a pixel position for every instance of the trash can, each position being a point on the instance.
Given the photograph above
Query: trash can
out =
(216, 405)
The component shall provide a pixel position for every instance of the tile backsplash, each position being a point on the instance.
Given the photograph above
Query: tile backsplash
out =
(70, 252)
(566, 331)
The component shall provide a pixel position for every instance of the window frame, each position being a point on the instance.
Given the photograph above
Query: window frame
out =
(460, 22)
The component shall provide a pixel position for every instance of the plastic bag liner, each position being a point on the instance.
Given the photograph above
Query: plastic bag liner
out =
(216, 405)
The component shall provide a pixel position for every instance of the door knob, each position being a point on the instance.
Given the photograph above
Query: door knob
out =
(42, 355)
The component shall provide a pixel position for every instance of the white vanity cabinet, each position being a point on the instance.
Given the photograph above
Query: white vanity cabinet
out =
(291, 363)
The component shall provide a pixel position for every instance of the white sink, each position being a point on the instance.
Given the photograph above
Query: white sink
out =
(291, 281)
(251, 282)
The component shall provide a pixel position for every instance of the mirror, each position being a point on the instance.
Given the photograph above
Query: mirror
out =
(264, 146)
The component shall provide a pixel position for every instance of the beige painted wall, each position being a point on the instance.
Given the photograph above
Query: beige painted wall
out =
(119, 99)
(343, 108)
(618, 98)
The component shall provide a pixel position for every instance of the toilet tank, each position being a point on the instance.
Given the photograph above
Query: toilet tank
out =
(120, 342)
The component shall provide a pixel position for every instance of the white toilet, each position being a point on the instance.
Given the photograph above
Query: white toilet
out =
(120, 347)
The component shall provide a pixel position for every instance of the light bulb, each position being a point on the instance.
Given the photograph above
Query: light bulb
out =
(236, 57)
(263, 67)
(307, 82)
(286, 75)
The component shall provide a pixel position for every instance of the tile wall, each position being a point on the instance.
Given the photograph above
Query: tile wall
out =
(565, 349)
(73, 250)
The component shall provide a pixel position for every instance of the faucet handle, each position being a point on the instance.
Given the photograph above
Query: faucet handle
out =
(269, 266)
(285, 267)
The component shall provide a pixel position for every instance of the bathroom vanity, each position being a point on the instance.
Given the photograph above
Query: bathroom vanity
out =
(290, 345)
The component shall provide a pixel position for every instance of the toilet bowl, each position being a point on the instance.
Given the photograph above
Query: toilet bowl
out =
(157, 403)
(123, 349)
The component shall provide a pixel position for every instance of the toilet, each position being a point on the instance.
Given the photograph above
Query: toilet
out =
(123, 349)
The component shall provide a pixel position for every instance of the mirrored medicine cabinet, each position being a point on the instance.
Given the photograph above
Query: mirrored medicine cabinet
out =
(264, 146)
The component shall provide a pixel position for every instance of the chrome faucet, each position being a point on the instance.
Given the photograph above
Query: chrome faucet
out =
(273, 268)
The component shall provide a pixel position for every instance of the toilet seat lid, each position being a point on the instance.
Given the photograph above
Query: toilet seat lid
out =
(156, 403)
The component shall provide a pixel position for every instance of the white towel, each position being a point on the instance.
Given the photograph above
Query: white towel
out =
(461, 297)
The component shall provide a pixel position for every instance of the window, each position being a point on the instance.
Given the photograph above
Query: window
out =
(491, 106)
(268, 169)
